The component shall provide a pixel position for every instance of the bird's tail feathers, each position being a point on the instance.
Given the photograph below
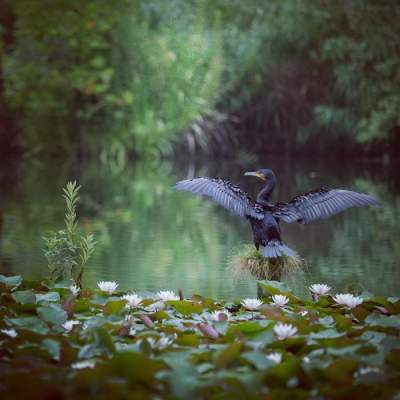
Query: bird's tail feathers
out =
(275, 249)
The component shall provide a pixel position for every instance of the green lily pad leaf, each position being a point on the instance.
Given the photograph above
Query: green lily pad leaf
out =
(95, 322)
(326, 334)
(248, 328)
(13, 281)
(114, 307)
(24, 297)
(102, 339)
(360, 313)
(52, 347)
(228, 356)
(342, 322)
(186, 307)
(341, 371)
(32, 324)
(161, 315)
(273, 287)
(382, 320)
(81, 305)
(182, 374)
(59, 284)
(258, 359)
(53, 314)
(280, 374)
(47, 297)
(221, 326)
(135, 368)
(326, 321)
(373, 337)
(188, 339)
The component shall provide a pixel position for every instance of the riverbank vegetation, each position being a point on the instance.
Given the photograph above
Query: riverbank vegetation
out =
(133, 77)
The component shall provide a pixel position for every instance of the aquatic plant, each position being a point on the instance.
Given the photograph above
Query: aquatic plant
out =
(251, 304)
(250, 261)
(67, 251)
(77, 346)
(108, 287)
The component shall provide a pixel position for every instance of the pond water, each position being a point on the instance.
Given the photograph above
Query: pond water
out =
(151, 237)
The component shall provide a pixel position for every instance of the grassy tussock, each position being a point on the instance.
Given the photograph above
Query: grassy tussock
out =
(251, 261)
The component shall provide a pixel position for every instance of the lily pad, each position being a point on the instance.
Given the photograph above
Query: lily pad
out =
(11, 281)
(52, 313)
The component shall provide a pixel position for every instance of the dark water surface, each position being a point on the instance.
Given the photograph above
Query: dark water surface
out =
(151, 238)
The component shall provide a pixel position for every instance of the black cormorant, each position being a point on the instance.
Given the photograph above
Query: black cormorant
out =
(265, 216)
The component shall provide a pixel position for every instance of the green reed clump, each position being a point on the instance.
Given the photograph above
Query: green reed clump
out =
(67, 251)
(251, 261)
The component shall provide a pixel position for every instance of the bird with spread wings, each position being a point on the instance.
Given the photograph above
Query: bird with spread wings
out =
(265, 216)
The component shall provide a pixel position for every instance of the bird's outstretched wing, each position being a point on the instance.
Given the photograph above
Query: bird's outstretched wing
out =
(224, 193)
(320, 203)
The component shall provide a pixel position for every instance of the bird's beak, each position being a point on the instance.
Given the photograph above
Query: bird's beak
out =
(256, 174)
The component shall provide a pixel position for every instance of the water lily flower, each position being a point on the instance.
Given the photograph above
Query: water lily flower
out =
(220, 316)
(348, 300)
(368, 370)
(133, 300)
(275, 357)
(167, 295)
(108, 286)
(68, 325)
(251, 304)
(83, 364)
(157, 306)
(74, 290)
(303, 313)
(284, 331)
(161, 343)
(319, 288)
(280, 300)
(12, 333)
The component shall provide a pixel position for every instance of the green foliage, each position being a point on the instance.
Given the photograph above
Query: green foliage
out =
(67, 252)
(117, 356)
(331, 69)
(147, 71)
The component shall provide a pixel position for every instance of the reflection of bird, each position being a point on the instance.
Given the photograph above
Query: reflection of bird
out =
(265, 216)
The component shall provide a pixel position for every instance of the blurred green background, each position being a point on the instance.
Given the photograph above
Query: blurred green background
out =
(122, 77)
(128, 96)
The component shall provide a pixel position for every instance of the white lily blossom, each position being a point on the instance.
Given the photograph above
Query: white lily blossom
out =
(133, 300)
(108, 286)
(319, 288)
(280, 300)
(284, 331)
(83, 364)
(348, 300)
(12, 333)
(303, 313)
(161, 343)
(251, 304)
(368, 370)
(68, 325)
(157, 306)
(220, 316)
(167, 295)
(74, 290)
(275, 357)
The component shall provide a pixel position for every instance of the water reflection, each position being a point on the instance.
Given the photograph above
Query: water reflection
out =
(150, 237)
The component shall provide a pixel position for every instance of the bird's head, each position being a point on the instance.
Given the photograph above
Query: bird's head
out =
(264, 174)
